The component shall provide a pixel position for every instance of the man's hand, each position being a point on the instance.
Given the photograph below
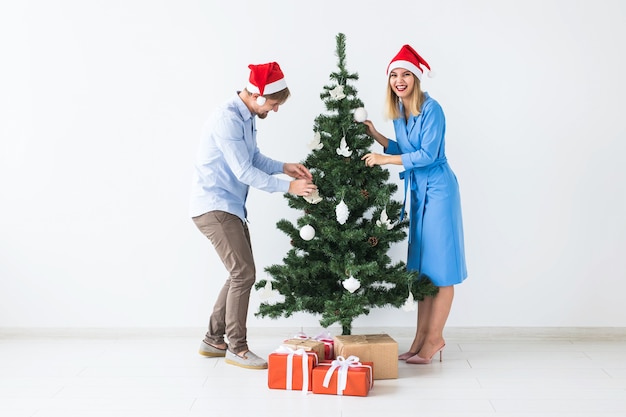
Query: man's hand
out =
(297, 171)
(302, 187)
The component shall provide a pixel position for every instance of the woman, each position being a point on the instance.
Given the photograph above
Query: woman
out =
(436, 247)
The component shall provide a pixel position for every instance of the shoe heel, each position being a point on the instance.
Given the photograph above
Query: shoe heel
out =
(441, 353)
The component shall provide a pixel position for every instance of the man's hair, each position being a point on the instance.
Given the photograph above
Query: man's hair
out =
(280, 96)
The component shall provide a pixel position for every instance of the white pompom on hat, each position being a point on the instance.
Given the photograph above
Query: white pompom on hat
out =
(409, 59)
(265, 79)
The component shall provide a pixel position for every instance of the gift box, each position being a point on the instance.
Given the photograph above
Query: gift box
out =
(309, 345)
(291, 369)
(380, 349)
(343, 377)
(329, 345)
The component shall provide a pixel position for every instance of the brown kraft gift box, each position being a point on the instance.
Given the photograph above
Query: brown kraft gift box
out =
(380, 349)
(309, 345)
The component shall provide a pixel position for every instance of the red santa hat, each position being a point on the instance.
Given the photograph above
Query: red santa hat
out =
(265, 79)
(409, 59)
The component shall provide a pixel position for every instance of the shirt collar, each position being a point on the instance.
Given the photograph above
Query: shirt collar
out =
(243, 109)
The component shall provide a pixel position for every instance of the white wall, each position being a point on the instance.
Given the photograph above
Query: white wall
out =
(102, 104)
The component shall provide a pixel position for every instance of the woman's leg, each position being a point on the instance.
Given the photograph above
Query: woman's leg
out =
(437, 317)
(424, 309)
(424, 312)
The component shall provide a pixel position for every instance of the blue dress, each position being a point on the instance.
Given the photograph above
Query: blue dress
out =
(436, 246)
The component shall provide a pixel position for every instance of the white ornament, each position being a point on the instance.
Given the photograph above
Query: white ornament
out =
(384, 221)
(360, 114)
(316, 144)
(337, 93)
(314, 198)
(307, 232)
(342, 212)
(267, 293)
(351, 284)
(343, 149)
(409, 304)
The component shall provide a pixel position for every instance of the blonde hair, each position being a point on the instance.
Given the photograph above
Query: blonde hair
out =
(413, 103)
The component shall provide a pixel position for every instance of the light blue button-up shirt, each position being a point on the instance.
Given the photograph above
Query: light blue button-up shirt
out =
(229, 161)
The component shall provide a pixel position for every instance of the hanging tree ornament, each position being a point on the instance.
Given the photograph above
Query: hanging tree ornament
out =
(307, 232)
(360, 115)
(343, 149)
(314, 198)
(409, 304)
(342, 212)
(337, 93)
(316, 143)
(384, 220)
(351, 284)
(267, 293)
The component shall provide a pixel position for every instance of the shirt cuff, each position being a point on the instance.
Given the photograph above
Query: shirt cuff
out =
(284, 186)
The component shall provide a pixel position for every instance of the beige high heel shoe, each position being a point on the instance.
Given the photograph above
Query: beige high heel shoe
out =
(418, 360)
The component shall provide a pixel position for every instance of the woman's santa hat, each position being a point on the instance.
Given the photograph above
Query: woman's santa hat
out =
(265, 79)
(409, 59)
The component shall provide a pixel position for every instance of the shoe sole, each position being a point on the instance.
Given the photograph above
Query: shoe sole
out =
(241, 365)
(212, 354)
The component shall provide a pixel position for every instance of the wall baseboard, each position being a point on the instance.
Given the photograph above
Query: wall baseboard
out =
(458, 334)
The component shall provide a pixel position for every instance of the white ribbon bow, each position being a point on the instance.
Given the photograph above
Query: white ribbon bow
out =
(322, 337)
(305, 366)
(342, 365)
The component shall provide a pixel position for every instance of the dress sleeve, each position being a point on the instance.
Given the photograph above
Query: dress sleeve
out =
(392, 148)
(432, 134)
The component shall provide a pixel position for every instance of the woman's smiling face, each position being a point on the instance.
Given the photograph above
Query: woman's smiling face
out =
(402, 82)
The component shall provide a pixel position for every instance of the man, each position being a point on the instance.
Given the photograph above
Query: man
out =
(227, 164)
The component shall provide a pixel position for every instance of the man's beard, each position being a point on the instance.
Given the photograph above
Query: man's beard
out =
(262, 115)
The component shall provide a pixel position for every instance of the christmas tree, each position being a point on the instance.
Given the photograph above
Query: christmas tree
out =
(339, 265)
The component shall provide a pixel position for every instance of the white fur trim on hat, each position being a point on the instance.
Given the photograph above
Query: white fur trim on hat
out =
(270, 88)
(407, 65)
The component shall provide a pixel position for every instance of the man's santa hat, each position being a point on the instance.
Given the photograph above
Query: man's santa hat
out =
(409, 59)
(265, 79)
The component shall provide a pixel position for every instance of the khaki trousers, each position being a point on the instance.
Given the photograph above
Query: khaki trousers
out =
(231, 239)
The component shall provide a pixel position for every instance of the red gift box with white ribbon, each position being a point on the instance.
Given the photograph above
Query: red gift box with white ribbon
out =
(291, 369)
(343, 376)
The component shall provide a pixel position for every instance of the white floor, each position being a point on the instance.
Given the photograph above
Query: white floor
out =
(485, 372)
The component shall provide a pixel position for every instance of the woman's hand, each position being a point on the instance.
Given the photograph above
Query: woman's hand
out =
(372, 159)
(369, 128)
